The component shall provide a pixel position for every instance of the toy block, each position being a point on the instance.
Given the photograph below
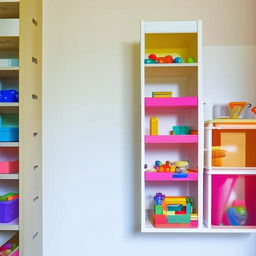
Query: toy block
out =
(174, 207)
(180, 212)
(182, 218)
(171, 213)
(188, 208)
(160, 219)
(161, 94)
(158, 209)
(194, 216)
(153, 126)
(180, 175)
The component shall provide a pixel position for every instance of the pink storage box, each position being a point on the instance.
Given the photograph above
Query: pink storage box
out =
(9, 166)
(15, 253)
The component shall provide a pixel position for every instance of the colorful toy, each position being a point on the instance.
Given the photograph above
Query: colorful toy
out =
(178, 60)
(168, 59)
(153, 126)
(236, 108)
(152, 57)
(149, 61)
(181, 166)
(161, 94)
(217, 154)
(180, 130)
(237, 214)
(10, 248)
(173, 210)
(190, 60)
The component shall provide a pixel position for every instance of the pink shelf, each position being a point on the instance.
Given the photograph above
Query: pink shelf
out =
(171, 138)
(167, 176)
(180, 102)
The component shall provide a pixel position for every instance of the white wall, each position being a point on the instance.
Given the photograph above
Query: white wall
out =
(91, 122)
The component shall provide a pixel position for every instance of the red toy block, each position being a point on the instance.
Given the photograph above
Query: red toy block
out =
(160, 219)
(180, 212)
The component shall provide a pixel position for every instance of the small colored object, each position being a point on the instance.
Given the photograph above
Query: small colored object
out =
(236, 108)
(254, 110)
(9, 197)
(9, 166)
(161, 94)
(180, 175)
(180, 130)
(168, 59)
(190, 60)
(174, 207)
(181, 166)
(237, 214)
(217, 154)
(148, 61)
(9, 210)
(178, 60)
(153, 126)
(160, 60)
(158, 163)
(9, 96)
(152, 57)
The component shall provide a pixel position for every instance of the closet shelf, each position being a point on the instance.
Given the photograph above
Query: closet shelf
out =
(171, 65)
(167, 176)
(9, 72)
(172, 102)
(14, 225)
(9, 144)
(154, 139)
(9, 176)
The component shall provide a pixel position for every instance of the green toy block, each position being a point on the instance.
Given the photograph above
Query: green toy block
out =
(175, 207)
(158, 209)
(189, 200)
(180, 218)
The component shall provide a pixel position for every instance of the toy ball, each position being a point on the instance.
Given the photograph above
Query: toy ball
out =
(190, 60)
(161, 60)
(152, 56)
(236, 216)
(168, 59)
(148, 61)
(145, 166)
(158, 163)
(178, 60)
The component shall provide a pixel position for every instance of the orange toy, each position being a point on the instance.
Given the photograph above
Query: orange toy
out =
(217, 154)
(236, 108)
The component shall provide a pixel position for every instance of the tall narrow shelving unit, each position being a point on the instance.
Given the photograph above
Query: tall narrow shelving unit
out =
(21, 37)
(184, 80)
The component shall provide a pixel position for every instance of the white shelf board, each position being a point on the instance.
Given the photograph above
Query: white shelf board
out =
(9, 144)
(9, 176)
(14, 225)
(150, 229)
(171, 65)
(232, 170)
(9, 104)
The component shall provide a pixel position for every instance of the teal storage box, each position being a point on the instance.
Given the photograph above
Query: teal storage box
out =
(9, 134)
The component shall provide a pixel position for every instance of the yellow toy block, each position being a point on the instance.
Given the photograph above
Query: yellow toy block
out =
(170, 213)
(161, 94)
(153, 126)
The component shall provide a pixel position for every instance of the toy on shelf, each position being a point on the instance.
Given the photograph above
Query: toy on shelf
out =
(178, 60)
(236, 215)
(161, 94)
(181, 167)
(236, 108)
(11, 247)
(153, 126)
(190, 60)
(217, 154)
(180, 130)
(9, 96)
(173, 210)
(153, 59)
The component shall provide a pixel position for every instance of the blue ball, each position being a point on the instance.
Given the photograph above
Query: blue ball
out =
(178, 60)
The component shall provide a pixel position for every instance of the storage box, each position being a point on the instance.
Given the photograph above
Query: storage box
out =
(9, 210)
(9, 134)
(9, 166)
(230, 191)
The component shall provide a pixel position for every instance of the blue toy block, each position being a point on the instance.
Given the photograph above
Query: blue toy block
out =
(174, 207)
(188, 208)
(180, 175)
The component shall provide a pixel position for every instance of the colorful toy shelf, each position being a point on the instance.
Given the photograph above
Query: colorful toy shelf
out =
(172, 126)
(172, 102)
(171, 139)
(167, 176)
